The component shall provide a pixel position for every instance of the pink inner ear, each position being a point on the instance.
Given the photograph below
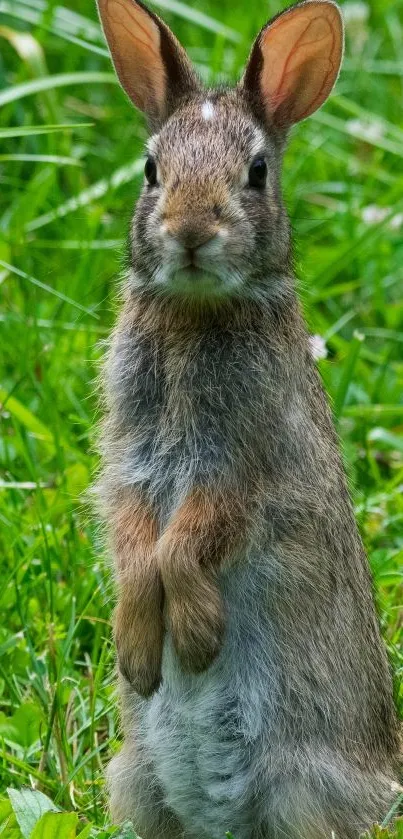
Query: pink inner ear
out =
(129, 18)
(134, 42)
(302, 52)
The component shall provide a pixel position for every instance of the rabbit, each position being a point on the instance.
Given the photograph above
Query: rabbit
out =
(255, 688)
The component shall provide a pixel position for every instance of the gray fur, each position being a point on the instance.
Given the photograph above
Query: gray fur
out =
(291, 732)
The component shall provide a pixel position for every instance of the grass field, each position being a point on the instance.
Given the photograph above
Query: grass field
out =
(70, 169)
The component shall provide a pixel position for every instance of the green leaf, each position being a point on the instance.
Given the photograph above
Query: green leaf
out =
(5, 811)
(9, 828)
(376, 410)
(126, 831)
(56, 826)
(12, 640)
(7, 728)
(24, 416)
(85, 832)
(29, 805)
(63, 18)
(26, 721)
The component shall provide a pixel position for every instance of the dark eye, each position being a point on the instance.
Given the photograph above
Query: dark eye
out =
(258, 173)
(150, 171)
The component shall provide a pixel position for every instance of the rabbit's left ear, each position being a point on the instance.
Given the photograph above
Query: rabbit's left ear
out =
(295, 61)
(152, 66)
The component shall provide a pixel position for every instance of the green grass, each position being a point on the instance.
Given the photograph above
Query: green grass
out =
(70, 163)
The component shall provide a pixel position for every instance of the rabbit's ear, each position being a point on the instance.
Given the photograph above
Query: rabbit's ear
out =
(151, 65)
(295, 61)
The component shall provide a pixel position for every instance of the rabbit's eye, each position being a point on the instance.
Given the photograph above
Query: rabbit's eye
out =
(258, 173)
(150, 171)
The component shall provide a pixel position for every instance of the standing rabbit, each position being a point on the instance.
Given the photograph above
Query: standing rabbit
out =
(255, 687)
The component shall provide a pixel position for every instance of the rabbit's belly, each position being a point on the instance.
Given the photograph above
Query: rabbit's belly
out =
(206, 732)
(203, 761)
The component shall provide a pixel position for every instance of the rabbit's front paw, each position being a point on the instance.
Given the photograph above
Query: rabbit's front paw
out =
(197, 627)
(139, 642)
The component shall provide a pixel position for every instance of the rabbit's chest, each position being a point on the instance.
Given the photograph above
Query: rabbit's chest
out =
(196, 420)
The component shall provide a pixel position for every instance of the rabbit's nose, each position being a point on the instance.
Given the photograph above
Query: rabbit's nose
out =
(191, 254)
(191, 233)
(194, 237)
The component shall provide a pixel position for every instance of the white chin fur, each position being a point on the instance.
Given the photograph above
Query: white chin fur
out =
(197, 285)
(200, 284)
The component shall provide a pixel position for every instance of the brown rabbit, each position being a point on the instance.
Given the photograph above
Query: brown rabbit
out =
(256, 690)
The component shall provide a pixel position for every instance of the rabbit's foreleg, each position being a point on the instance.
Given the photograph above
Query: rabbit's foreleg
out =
(200, 536)
(138, 617)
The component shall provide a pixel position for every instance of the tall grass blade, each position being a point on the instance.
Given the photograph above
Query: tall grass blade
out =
(34, 130)
(121, 176)
(49, 289)
(19, 91)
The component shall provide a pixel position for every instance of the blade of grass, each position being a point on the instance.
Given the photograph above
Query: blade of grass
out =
(359, 133)
(121, 176)
(386, 438)
(357, 110)
(35, 18)
(33, 130)
(384, 334)
(25, 417)
(376, 410)
(49, 289)
(19, 91)
(77, 245)
(58, 160)
(75, 22)
(369, 234)
(199, 18)
(27, 47)
(83, 24)
(347, 374)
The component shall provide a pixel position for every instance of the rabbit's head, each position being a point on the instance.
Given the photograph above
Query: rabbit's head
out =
(210, 220)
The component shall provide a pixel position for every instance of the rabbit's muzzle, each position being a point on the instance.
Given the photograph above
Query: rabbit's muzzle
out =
(193, 233)
(191, 242)
(193, 252)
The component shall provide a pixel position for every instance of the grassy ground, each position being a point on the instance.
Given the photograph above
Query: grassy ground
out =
(65, 199)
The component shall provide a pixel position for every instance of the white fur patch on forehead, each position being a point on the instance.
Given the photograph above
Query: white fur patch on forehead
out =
(258, 143)
(207, 110)
(152, 144)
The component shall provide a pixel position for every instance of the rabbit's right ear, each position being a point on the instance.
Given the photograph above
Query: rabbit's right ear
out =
(295, 61)
(152, 66)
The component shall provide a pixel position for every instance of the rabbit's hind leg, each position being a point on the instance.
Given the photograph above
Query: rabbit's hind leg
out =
(323, 795)
(135, 795)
